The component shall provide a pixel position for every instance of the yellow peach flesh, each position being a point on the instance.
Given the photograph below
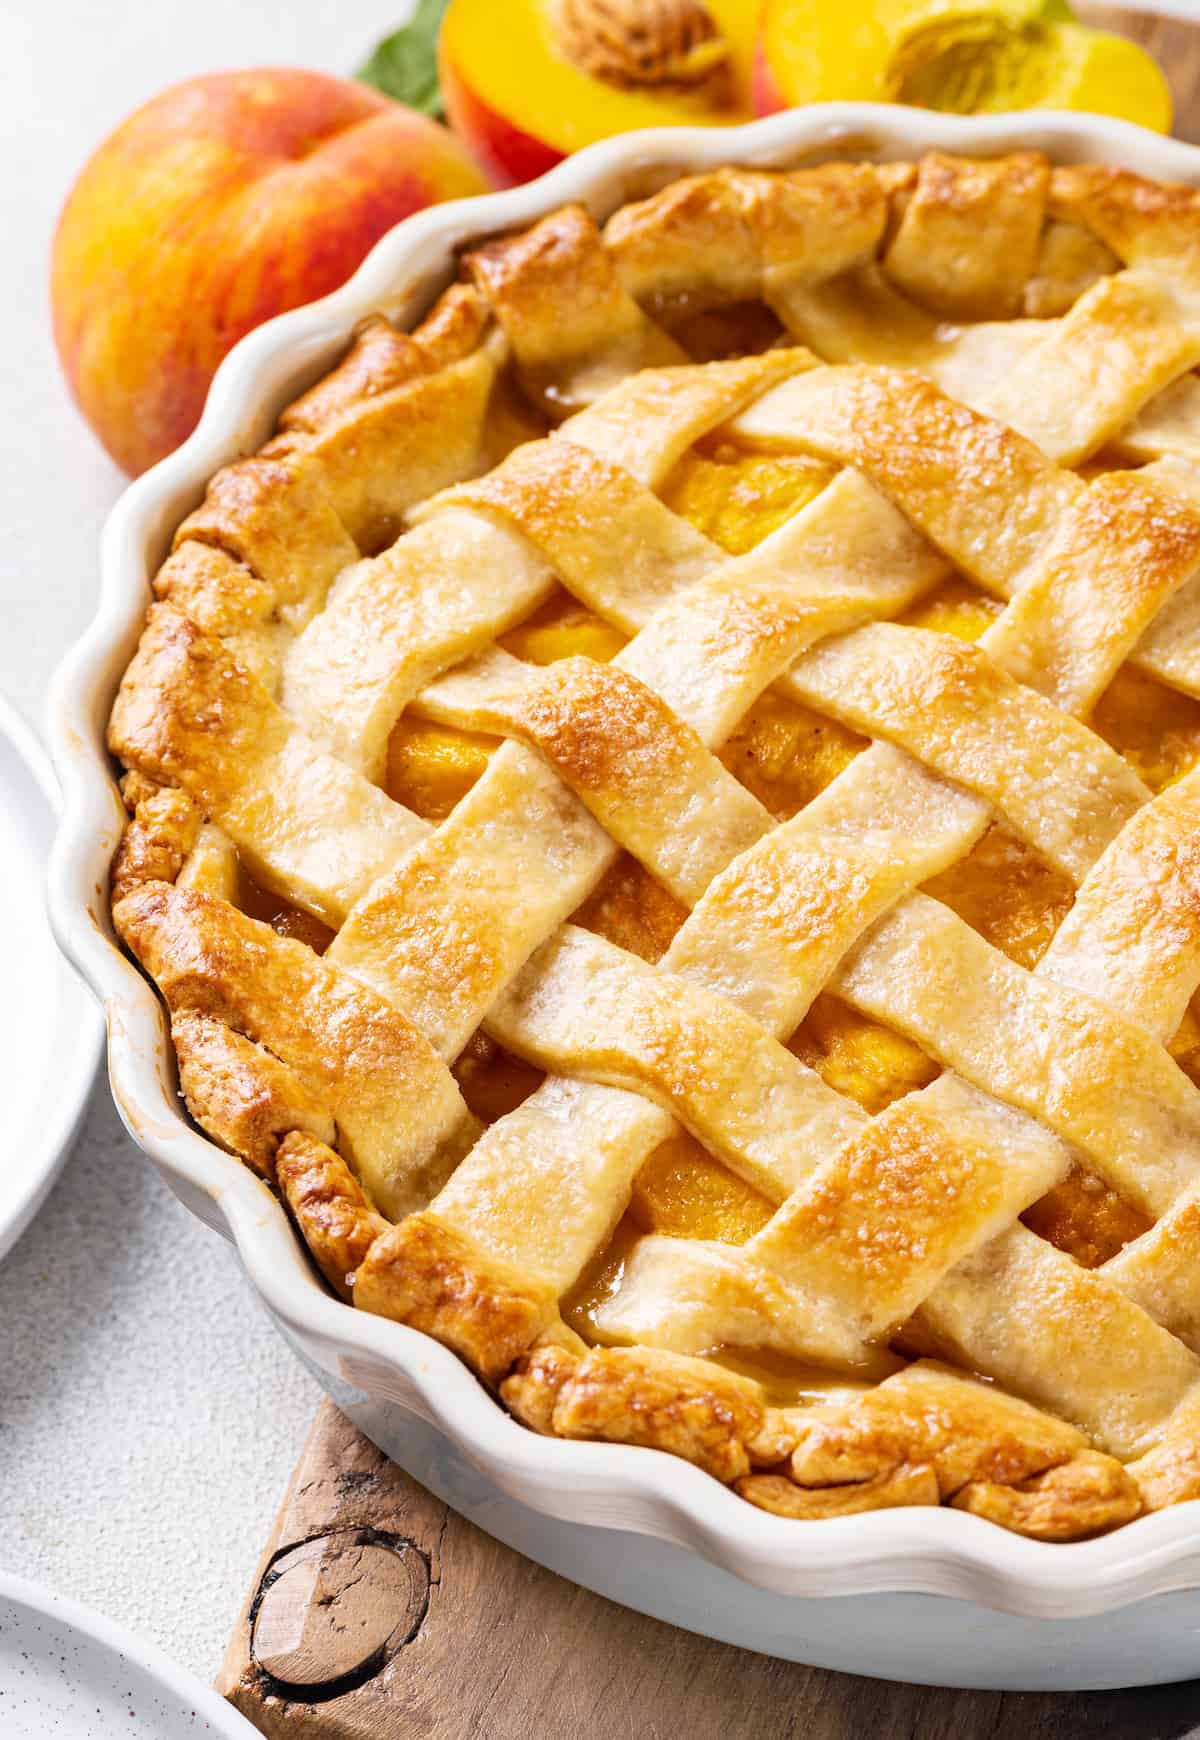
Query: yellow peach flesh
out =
(954, 55)
(521, 103)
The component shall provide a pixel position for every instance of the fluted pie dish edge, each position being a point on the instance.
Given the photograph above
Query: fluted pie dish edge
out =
(934, 1551)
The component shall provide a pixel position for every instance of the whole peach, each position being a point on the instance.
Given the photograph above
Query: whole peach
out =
(222, 202)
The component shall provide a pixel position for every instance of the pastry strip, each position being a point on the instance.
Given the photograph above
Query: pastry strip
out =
(858, 1246)
(396, 622)
(587, 1009)
(642, 772)
(1101, 1081)
(460, 578)
(956, 711)
(399, 1114)
(305, 823)
(957, 476)
(1036, 1322)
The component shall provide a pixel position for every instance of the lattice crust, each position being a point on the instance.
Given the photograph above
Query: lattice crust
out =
(954, 392)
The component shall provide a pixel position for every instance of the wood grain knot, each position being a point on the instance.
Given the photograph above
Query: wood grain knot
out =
(332, 1611)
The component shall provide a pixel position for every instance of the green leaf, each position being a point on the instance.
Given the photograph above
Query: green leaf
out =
(404, 65)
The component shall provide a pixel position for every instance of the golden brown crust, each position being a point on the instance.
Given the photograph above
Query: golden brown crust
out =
(1086, 1496)
(424, 1273)
(890, 1453)
(928, 1414)
(526, 277)
(272, 513)
(400, 1117)
(1142, 221)
(529, 278)
(1170, 1475)
(331, 1209)
(187, 710)
(1149, 530)
(657, 242)
(214, 589)
(454, 326)
(275, 529)
(242, 1095)
(968, 240)
(634, 1395)
(191, 712)
(1070, 260)
(916, 442)
(899, 1486)
(593, 720)
(734, 234)
(814, 223)
(135, 787)
(208, 957)
(1170, 1472)
(379, 359)
(532, 1388)
(395, 421)
(537, 485)
(157, 840)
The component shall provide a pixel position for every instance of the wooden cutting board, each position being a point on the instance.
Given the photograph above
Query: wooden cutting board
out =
(376, 1613)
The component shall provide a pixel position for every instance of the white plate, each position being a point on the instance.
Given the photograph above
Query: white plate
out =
(50, 1027)
(69, 1674)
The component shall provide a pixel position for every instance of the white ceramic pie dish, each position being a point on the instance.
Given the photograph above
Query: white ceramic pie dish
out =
(403, 1373)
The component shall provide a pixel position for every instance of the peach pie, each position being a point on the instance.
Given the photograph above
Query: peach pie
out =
(665, 814)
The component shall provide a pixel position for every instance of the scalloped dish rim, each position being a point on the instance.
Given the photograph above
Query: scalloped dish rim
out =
(930, 1551)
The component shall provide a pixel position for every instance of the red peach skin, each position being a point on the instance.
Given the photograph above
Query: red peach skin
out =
(224, 201)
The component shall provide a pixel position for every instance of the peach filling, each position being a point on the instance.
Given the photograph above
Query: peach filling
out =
(785, 754)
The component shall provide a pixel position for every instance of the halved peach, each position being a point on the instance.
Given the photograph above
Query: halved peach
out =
(557, 74)
(968, 59)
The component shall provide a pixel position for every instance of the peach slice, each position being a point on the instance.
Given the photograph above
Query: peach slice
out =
(951, 55)
(558, 74)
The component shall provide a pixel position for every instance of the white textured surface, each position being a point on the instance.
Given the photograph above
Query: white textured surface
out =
(149, 1416)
